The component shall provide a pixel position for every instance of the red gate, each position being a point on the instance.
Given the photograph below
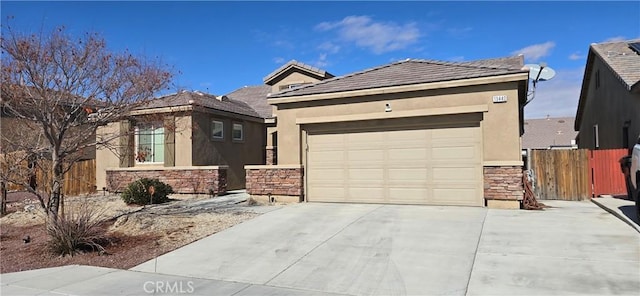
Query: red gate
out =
(605, 173)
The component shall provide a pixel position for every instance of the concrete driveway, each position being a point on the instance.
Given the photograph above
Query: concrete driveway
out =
(348, 249)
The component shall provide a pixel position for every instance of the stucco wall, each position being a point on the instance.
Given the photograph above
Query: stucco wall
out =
(183, 144)
(106, 158)
(234, 154)
(294, 77)
(500, 124)
(609, 106)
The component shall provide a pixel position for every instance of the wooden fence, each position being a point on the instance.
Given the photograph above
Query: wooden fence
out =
(605, 171)
(577, 174)
(561, 174)
(80, 179)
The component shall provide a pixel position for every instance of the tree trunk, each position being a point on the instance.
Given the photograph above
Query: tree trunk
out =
(56, 188)
(3, 195)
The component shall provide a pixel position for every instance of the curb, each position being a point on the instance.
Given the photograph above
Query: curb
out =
(617, 214)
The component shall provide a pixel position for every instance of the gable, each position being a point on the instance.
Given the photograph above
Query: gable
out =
(294, 66)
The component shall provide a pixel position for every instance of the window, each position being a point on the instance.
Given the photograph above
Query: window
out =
(293, 85)
(150, 143)
(237, 132)
(217, 129)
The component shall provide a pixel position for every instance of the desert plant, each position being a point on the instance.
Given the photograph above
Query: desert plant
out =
(147, 191)
(77, 230)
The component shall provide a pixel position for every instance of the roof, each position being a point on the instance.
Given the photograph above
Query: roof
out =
(295, 64)
(544, 133)
(256, 97)
(185, 98)
(411, 72)
(620, 58)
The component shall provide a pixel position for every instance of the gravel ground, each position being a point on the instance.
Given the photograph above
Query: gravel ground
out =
(136, 233)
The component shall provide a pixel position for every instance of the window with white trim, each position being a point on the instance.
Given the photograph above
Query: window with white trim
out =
(149, 142)
(238, 132)
(217, 129)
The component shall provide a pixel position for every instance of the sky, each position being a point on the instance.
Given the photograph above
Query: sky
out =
(217, 47)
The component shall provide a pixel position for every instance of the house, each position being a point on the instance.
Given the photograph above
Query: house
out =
(549, 133)
(409, 132)
(608, 115)
(195, 142)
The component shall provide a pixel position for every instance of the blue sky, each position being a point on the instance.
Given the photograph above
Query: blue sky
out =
(220, 46)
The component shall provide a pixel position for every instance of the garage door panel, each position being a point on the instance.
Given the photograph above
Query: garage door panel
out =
(412, 154)
(366, 193)
(407, 174)
(365, 155)
(453, 153)
(455, 174)
(409, 195)
(413, 166)
(367, 174)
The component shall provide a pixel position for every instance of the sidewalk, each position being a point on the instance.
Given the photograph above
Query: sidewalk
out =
(623, 209)
(91, 280)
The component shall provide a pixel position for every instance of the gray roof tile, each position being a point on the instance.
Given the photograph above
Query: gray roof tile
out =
(411, 72)
(546, 132)
(623, 60)
(202, 99)
(256, 97)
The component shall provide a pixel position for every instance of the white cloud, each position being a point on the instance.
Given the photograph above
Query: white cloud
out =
(615, 39)
(321, 62)
(456, 59)
(535, 52)
(278, 60)
(329, 47)
(557, 97)
(379, 37)
(577, 56)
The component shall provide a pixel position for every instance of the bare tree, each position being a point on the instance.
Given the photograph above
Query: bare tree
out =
(56, 91)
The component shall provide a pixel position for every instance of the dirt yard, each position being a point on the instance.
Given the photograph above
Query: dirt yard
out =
(135, 234)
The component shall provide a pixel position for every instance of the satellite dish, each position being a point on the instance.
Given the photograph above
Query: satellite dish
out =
(536, 73)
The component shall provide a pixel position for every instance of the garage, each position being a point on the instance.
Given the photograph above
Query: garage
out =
(409, 165)
(410, 132)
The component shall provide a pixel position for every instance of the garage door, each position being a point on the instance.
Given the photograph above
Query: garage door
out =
(440, 166)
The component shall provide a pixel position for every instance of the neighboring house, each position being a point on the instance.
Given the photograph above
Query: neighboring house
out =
(410, 132)
(608, 115)
(549, 133)
(196, 142)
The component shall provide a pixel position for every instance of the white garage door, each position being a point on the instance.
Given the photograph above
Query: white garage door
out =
(417, 166)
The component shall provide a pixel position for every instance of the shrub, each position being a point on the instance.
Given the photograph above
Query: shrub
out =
(78, 230)
(138, 192)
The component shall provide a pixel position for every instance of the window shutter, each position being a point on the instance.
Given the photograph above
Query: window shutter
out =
(126, 144)
(169, 141)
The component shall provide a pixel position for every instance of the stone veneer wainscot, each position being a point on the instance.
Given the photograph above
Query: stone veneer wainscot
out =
(193, 179)
(503, 183)
(275, 180)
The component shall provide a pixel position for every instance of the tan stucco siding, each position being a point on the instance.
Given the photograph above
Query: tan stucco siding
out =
(293, 78)
(105, 157)
(609, 106)
(226, 151)
(183, 145)
(500, 124)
